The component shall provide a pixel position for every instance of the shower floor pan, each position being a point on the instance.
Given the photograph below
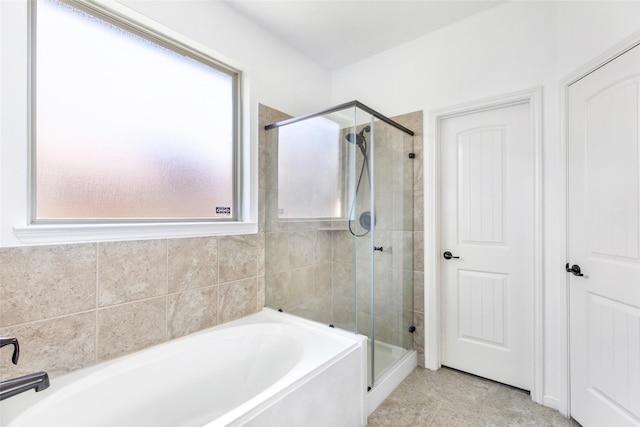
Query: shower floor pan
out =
(392, 365)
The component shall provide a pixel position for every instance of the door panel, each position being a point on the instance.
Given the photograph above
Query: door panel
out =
(487, 212)
(604, 225)
(482, 307)
(612, 198)
(480, 186)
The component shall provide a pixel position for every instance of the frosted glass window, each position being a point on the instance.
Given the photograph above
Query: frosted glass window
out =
(309, 170)
(126, 128)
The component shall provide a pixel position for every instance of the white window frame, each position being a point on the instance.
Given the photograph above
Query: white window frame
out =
(15, 127)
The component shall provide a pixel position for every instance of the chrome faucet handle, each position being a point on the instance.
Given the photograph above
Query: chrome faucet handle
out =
(16, 348)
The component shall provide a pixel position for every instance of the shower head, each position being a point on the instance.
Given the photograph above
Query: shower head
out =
(358, 138)
(354, 138)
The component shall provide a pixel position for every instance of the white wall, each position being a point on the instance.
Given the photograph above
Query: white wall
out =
(281, 77)
(512, 47)
(466, 61)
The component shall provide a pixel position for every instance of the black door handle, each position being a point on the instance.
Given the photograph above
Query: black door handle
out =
(574, 269)
(449, 255)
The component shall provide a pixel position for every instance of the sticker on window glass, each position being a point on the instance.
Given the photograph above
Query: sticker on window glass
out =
(223, 210)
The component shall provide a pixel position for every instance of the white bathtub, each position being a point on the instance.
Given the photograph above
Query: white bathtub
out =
(268, 369)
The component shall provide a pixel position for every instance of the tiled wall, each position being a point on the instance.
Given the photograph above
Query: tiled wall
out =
(71, 306)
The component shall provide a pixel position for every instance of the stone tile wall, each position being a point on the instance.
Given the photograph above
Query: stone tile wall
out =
(72, 306)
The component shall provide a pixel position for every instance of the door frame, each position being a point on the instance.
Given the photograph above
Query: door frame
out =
(558, 273)
(432, 320)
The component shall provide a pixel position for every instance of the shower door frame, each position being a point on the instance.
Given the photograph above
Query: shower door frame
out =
(350, 104)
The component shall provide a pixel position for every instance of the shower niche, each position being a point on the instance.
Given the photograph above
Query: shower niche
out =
(339, 190)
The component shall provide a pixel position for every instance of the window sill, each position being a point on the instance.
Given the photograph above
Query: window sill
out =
(83, 233)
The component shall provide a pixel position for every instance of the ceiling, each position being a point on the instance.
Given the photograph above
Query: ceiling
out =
(336, 33)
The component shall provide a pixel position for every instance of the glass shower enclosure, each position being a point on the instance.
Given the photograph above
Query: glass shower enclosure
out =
(339, 226)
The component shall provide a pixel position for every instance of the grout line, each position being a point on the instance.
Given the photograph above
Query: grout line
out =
(96, 310)
(131, 302)
(218, 280)
(166, 291)
(96, 329)
(258, 263)
(97, 281)
(60, 316)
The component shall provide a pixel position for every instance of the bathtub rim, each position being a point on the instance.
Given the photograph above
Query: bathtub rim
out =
(11, 409)
(359, 343)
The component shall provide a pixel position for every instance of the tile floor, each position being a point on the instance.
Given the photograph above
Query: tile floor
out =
(451, 398)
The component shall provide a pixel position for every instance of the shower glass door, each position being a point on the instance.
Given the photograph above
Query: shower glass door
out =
(393, 258)
(339, 226)
(362, 220)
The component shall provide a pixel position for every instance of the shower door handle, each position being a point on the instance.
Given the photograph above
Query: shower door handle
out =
(449, 255)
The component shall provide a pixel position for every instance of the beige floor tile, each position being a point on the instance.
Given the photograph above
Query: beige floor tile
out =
(450, 398)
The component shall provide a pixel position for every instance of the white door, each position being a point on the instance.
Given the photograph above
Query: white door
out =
(487, 220)
(604, 241)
